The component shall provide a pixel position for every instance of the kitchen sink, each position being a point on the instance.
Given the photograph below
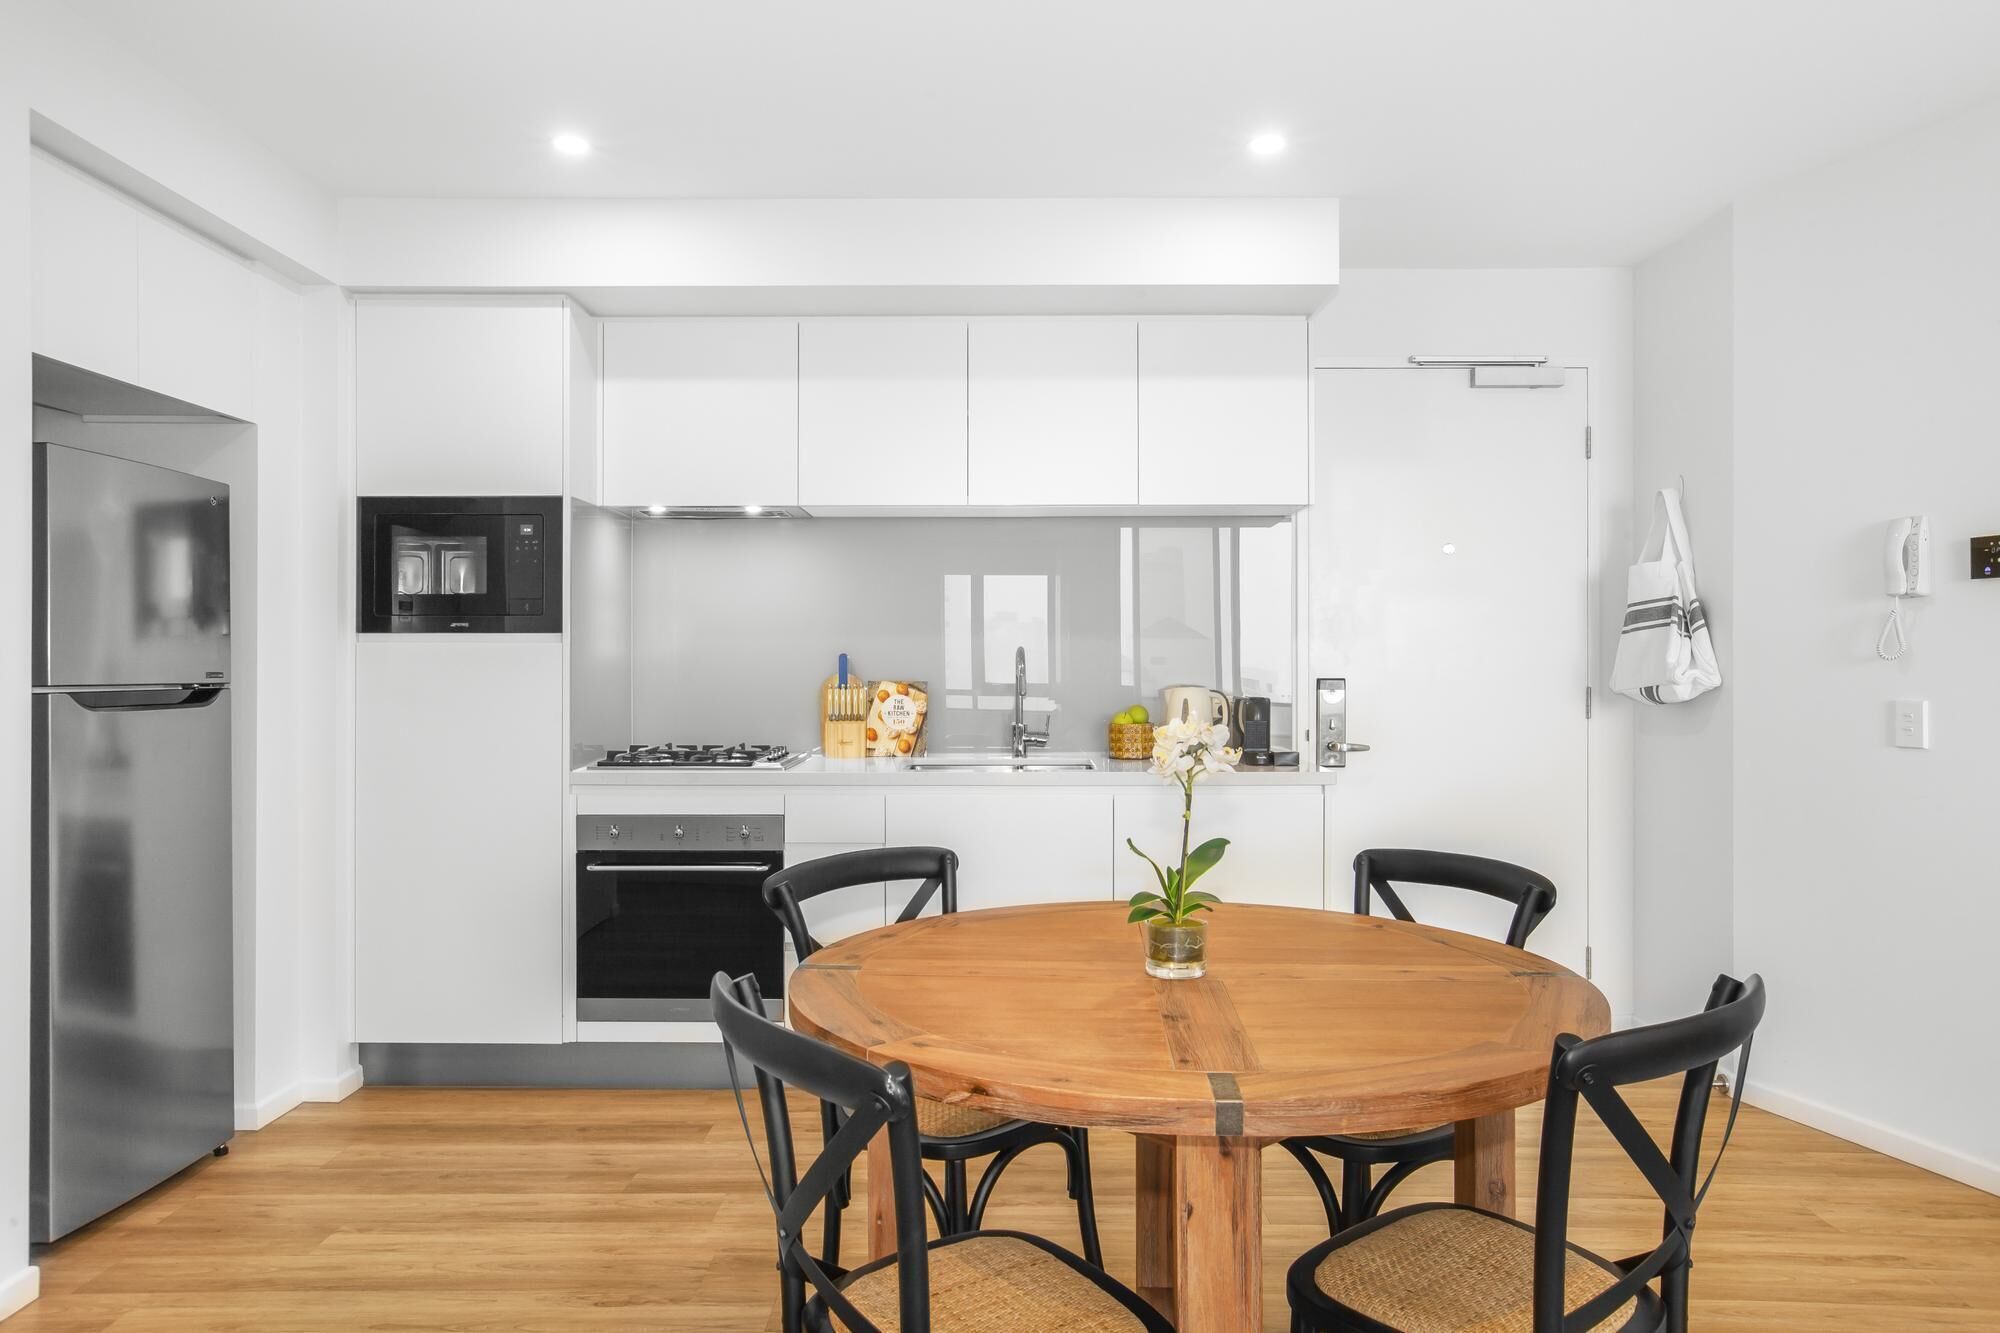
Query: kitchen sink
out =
(985, 764)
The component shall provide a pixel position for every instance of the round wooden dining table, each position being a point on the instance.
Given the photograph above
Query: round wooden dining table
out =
(1307, 1022)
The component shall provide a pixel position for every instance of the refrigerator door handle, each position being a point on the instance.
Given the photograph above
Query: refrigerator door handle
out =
(126, 701)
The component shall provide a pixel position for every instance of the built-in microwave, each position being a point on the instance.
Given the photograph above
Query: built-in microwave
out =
(459, 564)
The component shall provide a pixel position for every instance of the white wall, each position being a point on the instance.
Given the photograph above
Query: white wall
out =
(1034, 247)
(1683, 337)
(105, 107)
(1577, 317)
(1866, 339)
(17, 1278)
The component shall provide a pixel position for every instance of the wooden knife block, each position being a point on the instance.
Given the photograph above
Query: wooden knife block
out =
(846, 738)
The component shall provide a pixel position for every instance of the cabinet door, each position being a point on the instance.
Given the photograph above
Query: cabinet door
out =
(881, 412)
(198, 321)
(701, 412)
(458, 875)
(86, 260)
(459, 397)
(1053, 412)
(1276, 841)
(1222, 411)
(1045, 846)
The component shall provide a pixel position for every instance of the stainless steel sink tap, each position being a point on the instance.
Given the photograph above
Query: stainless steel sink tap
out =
(1023, 738)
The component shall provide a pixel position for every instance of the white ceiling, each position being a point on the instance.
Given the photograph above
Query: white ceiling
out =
(1456, 131)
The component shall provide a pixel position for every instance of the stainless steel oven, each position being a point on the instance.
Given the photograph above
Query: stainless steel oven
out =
(459, 564)
(663, 903)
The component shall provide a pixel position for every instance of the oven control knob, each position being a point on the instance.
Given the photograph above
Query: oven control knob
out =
(611, 832)
(679, 832)
(744, 833)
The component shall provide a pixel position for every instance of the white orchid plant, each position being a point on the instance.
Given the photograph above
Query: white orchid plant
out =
(1184, 751)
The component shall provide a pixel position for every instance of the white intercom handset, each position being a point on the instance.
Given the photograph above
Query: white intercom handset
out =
(1906, 567)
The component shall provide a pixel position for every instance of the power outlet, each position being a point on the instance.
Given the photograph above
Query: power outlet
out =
(1910, 724)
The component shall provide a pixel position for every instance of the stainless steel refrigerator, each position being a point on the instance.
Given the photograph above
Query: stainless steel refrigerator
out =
(133, 1065)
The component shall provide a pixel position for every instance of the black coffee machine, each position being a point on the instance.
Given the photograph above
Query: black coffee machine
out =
(1250, 719)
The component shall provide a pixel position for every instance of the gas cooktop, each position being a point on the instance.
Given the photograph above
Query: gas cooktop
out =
(701, 756)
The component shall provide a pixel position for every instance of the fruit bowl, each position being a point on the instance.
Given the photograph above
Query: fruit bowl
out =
(1130, 740)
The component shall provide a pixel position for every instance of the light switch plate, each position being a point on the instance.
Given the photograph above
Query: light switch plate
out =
(1910, 724)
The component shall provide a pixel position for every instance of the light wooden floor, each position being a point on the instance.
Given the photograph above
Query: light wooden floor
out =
(412, 1209)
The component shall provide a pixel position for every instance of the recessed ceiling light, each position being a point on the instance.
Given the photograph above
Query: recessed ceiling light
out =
(656, 510)
(571, 145)
(753, 509)
(1268, 144)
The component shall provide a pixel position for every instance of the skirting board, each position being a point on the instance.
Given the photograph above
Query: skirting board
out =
(337, 1089)
(19, 1290)
(256, 1115)
(1890, 1142)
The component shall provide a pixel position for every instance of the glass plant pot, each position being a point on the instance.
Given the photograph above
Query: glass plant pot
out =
(1176, 952)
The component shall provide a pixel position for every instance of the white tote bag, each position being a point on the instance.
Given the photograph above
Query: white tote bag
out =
(1665, 654)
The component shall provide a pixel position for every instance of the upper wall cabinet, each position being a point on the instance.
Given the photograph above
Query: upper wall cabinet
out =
(1223, 411)
(459, 395)
(701, 412)
(882, 412)
(1053, 412)
(86, 260)
(122, 292)
(198, 321)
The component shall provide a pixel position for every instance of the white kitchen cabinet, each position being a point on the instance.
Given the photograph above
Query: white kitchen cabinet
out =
(882, 412)
(1053, 411)
(849, 911)
(1223, 411)
(701, 411)
(459, 395)
(198, 321)
(1276, 841)
(458, 859)
(586, 456)
(86, 272)
(1014, 847)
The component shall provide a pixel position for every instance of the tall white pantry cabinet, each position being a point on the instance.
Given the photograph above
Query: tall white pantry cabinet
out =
(459, 756)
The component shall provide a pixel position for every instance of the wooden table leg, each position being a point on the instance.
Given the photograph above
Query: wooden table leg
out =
(1484, 1167)
(880, 1222)
(1155, 1191)
(1219, 1237)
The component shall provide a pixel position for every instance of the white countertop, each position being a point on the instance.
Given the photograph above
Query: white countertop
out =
(816, 770)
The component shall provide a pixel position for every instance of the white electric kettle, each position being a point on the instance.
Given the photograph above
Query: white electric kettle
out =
(1196, 702)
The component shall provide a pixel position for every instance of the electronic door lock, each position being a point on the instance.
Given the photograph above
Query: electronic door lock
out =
(1332, 713)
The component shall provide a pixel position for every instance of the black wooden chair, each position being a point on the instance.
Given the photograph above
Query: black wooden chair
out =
(1406, 1151)
(1440, 1267)
(952, 1135)
(993, 1280)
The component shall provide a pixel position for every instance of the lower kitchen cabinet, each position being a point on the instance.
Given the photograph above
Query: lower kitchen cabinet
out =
(1013, 847)
(1276, 841)
(458, 866)
(843, 912)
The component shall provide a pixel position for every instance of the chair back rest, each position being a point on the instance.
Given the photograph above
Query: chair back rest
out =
(1594, 1070)
(1379, 869)
(872, 1098)
(786, 890)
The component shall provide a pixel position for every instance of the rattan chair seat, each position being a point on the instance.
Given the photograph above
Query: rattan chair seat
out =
(995, 1282)
(1445, 1269)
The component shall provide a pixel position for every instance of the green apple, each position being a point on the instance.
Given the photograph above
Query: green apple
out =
(1121, 719)
(1137, 713)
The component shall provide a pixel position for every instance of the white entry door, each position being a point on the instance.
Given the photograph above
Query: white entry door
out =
(1449, 585)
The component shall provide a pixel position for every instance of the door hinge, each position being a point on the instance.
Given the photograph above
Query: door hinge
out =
(1586, 963)
(1586, 441)
(1586, 703)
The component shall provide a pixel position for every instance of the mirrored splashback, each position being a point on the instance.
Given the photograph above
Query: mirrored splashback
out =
(735, 625)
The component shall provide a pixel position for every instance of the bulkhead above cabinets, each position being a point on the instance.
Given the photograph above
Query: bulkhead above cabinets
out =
(938, 415)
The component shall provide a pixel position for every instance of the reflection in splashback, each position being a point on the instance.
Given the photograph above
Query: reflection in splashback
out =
(736, 624)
